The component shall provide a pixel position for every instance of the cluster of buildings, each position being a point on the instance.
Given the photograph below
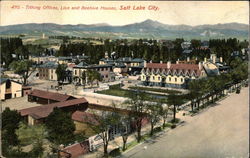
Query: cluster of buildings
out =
(82, 113)
(178, 75)
(108, 68)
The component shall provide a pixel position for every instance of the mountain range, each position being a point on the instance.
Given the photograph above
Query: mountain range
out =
(145, 29)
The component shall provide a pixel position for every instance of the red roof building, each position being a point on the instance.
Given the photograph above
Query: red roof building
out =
(171, 75)
(46, 97)
(37, 114)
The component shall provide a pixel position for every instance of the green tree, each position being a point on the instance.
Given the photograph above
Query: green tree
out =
(84, 78)
(175, 100)
(102, 124)
(61, 72)
(32, 135)
(92, 76)
(10, 122)
(60, 127)
(137, 105)
(153, 111)
(22, 68)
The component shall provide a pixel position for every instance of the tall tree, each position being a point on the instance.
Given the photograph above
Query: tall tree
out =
(61, 72)
(153, 113)
(175, 100)
(22, 68)
(102, 123)
(60, 127)
(137, 105)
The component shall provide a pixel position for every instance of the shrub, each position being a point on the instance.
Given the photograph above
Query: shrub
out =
(157, 129)
(173, 126)
(115, 152)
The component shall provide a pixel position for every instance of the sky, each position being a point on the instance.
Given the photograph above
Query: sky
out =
(169, 12)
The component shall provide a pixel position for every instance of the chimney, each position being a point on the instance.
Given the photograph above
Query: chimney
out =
(205, 59)
(144, 63)
(168, 64)
(161, 61)
(188, 59)
(221, 60)
(200, 65)
(150, 61)
(177, 62)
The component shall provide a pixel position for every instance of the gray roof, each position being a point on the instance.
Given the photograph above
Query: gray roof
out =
(50, 64)
(3, 80)
(137, 60)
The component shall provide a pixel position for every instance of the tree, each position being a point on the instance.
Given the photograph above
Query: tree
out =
(93, 75)
(137, 105)
(163, 111)
(60, 127)
(153, 113)
(84, 78)
(61, 72)
(175, 100)
(32, 135)
(22, 68)
(125, 123)
(102, 124)
(10, 122)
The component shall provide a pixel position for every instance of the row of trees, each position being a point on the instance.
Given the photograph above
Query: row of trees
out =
(203, 90)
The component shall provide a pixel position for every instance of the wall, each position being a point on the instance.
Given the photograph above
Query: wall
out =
(2, 91)
(83, 128)
(16, 90)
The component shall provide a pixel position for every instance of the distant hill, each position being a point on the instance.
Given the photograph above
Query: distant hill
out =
(145, 29)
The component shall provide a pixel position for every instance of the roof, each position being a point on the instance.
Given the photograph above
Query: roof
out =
(137, 60)
(77, 149)
(50, 64)
(3, 80)
(84, 117)
(50, 95)
(174, 68)
(93, 66)
(43, 111)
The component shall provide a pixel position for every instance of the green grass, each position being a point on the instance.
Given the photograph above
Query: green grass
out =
(156, 90)
(116, 90)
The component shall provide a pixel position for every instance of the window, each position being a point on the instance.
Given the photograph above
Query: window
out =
(181, 79)
(159, 78)
(75, 72)
(107, 76)
(175, 79)
(153, 78)
(169, 78)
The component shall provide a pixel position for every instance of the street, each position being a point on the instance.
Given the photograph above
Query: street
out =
(221, 131)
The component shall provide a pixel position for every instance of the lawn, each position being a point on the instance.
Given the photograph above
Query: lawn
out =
(155, 90)
(116, 90)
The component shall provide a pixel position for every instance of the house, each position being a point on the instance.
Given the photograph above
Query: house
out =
(124, 65)
(38, 114)
(42, 59)
(105, 71)
(10, 89)
(218, 62)
(47, 71)
(74, 150)
(171, 75)
(46, 97)
(82, 121)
